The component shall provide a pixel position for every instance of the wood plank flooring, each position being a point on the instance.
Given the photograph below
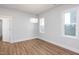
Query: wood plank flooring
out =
(33, 47)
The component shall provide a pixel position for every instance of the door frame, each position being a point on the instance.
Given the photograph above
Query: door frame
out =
(5, 28)
(1, 30)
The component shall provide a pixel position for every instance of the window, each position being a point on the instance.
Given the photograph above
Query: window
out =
(42, 25)
(34, 20)
(70, 23)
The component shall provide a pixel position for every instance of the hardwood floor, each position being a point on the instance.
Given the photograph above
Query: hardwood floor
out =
(33, 47)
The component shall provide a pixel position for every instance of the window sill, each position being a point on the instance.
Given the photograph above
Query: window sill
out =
(74, 37)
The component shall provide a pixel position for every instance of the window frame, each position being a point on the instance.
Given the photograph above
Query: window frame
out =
(63, 23)
(40, 30)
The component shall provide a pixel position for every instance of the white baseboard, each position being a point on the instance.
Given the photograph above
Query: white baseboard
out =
(29, 38)
(56, 43)
(64, 46)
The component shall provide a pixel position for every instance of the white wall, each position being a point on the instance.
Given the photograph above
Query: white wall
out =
(20, 27)
(53, 28)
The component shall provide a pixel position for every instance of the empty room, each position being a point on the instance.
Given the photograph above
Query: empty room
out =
(39, 29)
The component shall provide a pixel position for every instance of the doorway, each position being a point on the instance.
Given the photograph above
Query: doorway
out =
(0, 30)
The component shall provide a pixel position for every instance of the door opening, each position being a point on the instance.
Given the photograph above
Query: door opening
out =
(1, 30)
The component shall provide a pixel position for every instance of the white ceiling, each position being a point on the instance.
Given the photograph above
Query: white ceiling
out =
(30, 8)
